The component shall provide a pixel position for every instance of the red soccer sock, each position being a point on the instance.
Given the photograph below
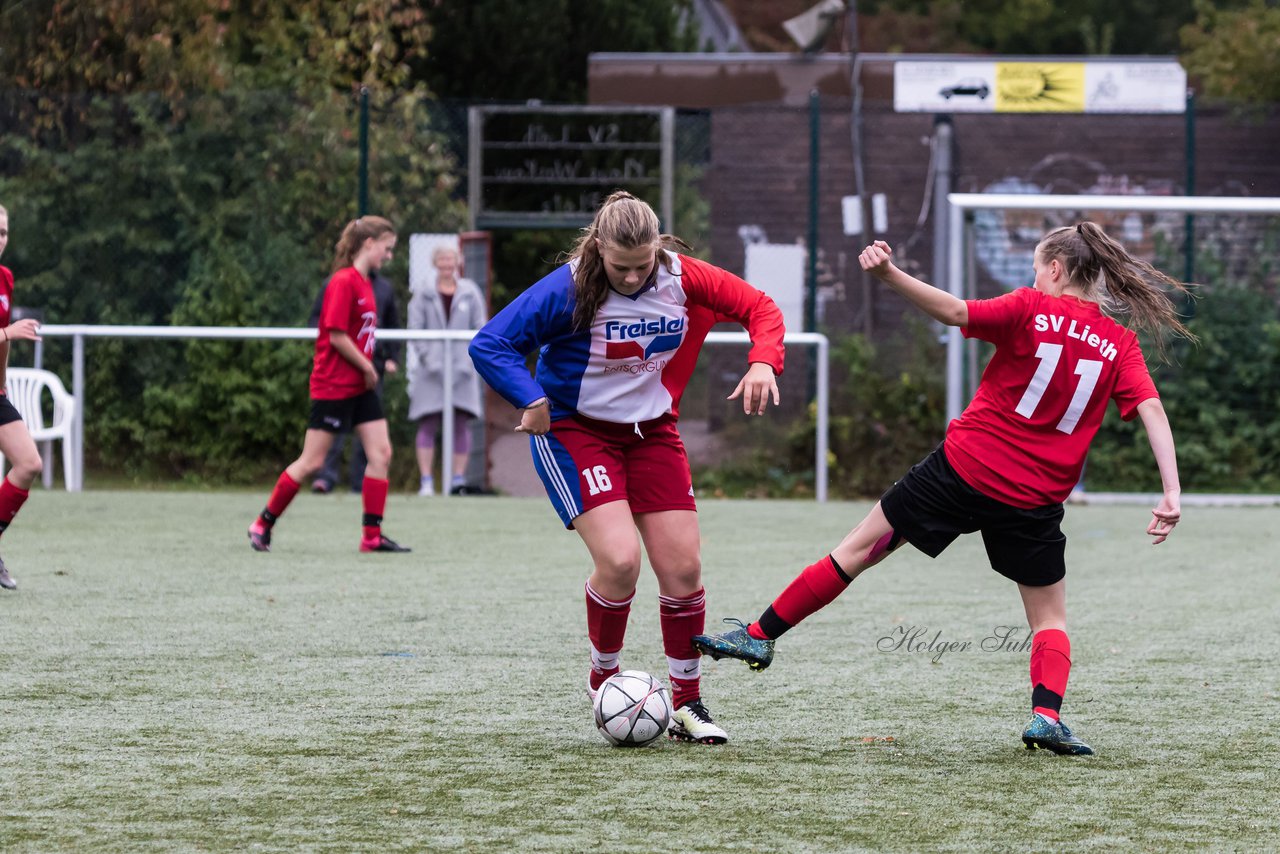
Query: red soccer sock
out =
(606, 627)
(11, 500)
(682, 618)
(1050, 667)
(813, 589)
(285, 490)
(374, 494)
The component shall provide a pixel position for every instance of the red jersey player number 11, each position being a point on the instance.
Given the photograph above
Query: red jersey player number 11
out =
(1010, 460)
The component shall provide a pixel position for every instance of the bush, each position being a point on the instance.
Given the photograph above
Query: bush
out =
(1222, 398)
(212, 210)
(887, 410)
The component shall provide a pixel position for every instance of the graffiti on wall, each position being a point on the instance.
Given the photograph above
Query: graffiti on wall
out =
(1004, 241)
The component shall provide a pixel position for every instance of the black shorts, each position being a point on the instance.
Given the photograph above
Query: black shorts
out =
(8, 412)
(339, 416)
(932, 505)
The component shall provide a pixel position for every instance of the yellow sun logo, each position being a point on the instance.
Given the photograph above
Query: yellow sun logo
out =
(1039, 87)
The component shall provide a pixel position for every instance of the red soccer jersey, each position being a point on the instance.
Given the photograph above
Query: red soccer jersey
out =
(1024, 437)
(6, 295)
(349, 307)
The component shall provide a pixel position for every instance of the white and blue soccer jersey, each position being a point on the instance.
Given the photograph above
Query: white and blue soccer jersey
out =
(634, 362)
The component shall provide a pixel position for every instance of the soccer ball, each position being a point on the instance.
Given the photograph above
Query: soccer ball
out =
(632, 709)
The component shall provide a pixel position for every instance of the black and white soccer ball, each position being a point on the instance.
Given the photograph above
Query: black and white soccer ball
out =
(632, 709)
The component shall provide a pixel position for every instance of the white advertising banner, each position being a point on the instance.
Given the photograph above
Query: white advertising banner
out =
(1027, 86)
(944, 87)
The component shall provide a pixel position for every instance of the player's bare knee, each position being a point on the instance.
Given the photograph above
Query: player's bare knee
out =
(379, 455)
(304, 466)
(26, 468)
(685, 577)
(620, 568)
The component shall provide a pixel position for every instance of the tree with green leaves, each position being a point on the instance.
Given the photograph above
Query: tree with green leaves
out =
(192, 162)
(513, 50)
(1026, 27)
(1235, 53)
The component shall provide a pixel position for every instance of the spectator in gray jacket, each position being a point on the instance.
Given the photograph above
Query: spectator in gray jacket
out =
(451, 302)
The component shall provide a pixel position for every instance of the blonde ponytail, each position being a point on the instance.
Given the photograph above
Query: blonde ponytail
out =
(1135, 292)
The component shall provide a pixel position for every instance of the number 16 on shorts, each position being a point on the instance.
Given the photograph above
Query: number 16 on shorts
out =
(582, 468)
(576, 478)
(597, 480)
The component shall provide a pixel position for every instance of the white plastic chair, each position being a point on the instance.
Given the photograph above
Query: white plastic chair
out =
(25, 388)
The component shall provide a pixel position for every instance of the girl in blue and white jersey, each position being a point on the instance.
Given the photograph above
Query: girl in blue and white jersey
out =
(618, 329)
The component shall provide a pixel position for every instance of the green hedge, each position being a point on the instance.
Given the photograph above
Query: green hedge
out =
(211, 210)
(888, 403)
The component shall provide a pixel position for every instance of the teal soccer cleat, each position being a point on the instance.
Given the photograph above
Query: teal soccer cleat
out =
(1053, 735)
(758, 654)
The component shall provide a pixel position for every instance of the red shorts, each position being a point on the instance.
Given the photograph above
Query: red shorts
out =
(584, 463)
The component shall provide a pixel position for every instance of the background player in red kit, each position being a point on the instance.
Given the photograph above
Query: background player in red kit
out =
(619, 328)
(15, 441)
(1010, 460)
(343, 379)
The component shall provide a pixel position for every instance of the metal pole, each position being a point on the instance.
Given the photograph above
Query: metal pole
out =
(668, 157)
(446, 424)
(77, 389)
(942, 148)
(475, 165)
(1189, 248)
(811, 277)
(860, 183)
(820, 461)
(364, 151)
(955, 284)
(970, 292)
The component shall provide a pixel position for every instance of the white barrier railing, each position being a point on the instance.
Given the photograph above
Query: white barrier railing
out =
(78, 333)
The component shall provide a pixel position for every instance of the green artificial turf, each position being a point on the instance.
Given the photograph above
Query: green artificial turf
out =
(162, 687)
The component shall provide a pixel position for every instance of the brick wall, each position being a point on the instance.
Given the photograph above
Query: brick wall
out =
(759, 175)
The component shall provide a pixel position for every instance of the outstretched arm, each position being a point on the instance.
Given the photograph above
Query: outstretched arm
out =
(1169, 511)
(935, 302)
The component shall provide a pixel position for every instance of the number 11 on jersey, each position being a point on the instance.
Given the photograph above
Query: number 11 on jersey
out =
(1088, 370)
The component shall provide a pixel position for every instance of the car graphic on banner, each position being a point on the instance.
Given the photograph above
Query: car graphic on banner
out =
(974, 86)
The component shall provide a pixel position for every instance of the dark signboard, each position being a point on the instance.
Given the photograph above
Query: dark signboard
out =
(544, 167)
